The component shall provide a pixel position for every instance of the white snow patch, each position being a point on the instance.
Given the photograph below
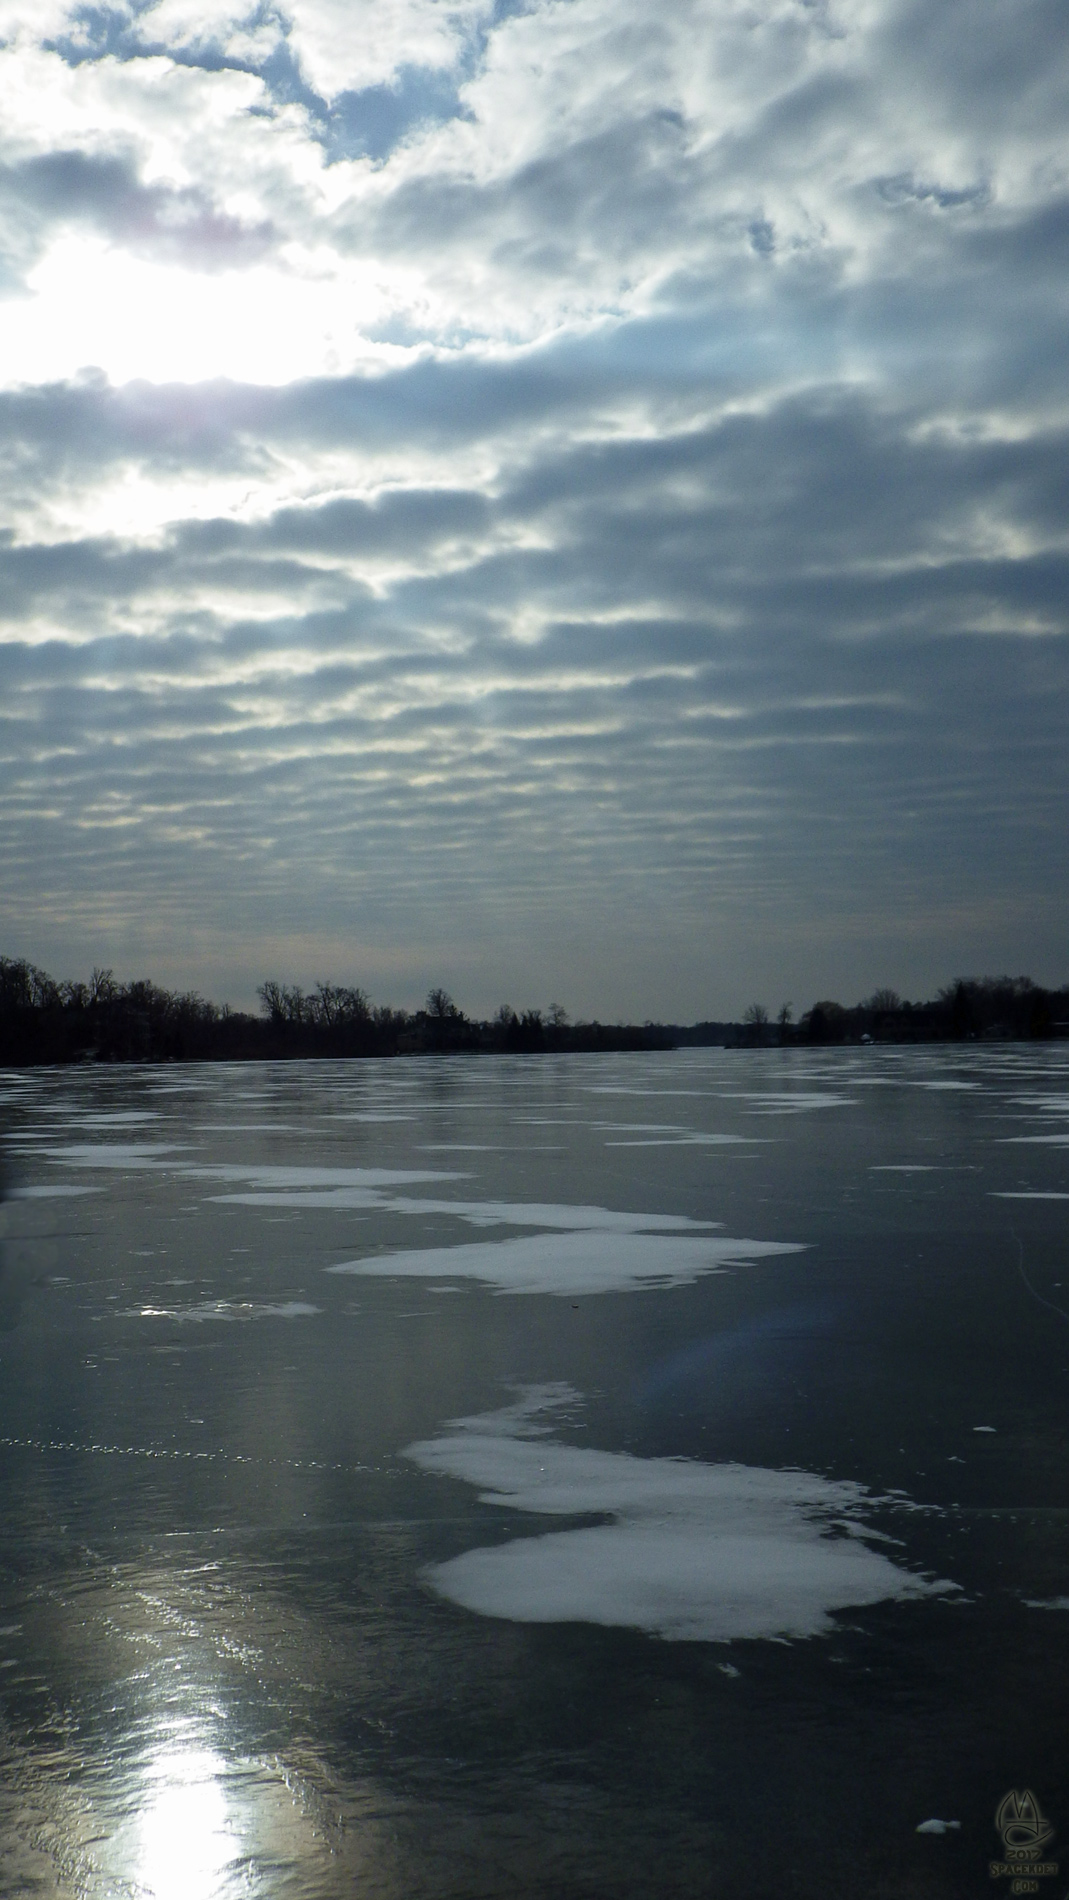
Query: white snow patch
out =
(571, 1263)
(694, 1552)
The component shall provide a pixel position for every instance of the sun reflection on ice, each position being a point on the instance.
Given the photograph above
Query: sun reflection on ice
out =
(185, 1836)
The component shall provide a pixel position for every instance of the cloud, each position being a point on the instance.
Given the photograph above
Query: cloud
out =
(460, 460)
(62, 188)
(597, 157)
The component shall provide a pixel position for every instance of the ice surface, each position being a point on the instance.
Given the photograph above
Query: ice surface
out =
(787, 1101)
(57, 1192)
(551, 1214)
(120, 1118)
(226, 1310)
(940, 1085)
(294, 1186)
(640, 1128)
(303, 1180)
(249, 1127)
(311, 1188)
(338, 1199)
(618, 1088)
(680, 1138)
(475, 1213)
(113, 1154)
(571, 1263)
(694, 1552)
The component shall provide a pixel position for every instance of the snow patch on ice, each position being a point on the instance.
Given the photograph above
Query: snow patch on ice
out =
(572, 1263)
(693, 1552)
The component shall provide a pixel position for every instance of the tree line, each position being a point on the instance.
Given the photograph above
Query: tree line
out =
(986, 1009)
(103, 1020)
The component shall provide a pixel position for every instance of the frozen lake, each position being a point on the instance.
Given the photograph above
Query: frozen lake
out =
(583, 1476)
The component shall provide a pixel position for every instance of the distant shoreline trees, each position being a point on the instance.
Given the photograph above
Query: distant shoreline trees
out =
(43, 1021)
(984, 1009)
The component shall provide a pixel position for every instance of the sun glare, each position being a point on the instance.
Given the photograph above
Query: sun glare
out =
(185, 1838)
(93, 307)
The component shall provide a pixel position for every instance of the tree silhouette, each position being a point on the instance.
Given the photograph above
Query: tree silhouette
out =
(883, 1002)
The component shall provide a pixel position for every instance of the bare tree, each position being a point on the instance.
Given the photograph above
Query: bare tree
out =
(883, 1002)
(270, 995)
(101, 986)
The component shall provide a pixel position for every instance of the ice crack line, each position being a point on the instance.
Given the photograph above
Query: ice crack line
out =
(176, 1452)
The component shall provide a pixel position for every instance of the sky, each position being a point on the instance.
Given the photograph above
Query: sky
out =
(562, 500)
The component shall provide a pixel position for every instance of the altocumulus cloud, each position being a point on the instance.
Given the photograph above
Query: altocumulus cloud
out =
(549, 496)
